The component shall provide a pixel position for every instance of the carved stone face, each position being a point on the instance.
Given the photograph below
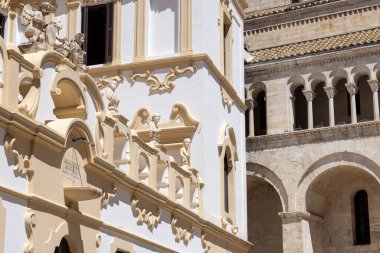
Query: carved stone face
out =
(57, 23)
(186, 143)
(156, 118)
(45, 8)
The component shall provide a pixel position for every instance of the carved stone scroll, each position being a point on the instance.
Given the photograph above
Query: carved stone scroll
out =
(21, 161)
(150, 218)
(168, 82)
(226, 99)
(205, 244)
(181, 232)
(30, 224)
(107, 196)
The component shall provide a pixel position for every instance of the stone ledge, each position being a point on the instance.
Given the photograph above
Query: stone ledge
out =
(318, 135)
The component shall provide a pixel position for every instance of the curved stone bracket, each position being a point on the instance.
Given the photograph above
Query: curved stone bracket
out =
(168, 82)
(107, 196)
(150, 218)
(22, 164)
(205, 244)
(182, 232)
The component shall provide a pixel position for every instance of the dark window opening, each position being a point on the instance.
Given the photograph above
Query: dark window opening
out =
(226, 190)
(300, 110)
(260, 115)
(97, 25)
(63, 247)
(362, 226)
(226, 30)
(2, 25)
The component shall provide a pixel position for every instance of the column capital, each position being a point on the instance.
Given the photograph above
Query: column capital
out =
(72, 5)
(309, 94)
(374, 84)
(250, 103)
(330, 91)
(352, 88)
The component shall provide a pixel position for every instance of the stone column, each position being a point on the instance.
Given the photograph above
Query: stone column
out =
(352, 89)
(12, 15)
(140, 30)
(116, 54)
(251, 104)
(310, 95)
(72, 18)
(296, 232)
(374, 84)
(331, 92)
(186, 27)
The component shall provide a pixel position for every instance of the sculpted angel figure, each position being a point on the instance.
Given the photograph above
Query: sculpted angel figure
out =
(154, 129)
(76, 53)
(185, 151)
(113, 100)
(35, 21)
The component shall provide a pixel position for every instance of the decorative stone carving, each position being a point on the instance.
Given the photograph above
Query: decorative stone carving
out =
(168, 82)
(309, 94)
(330, 91)
(224, 222)
(234, 229)
(154, 128)
(76, 53)
(22, 162)
(98, 240)
(185, 152)
(111, 84)
(36, 22)
(107, 196)
(30, 224)
(352, 88)
(181, 232)
(150, 218)
(226, 99)
(205, 244)
(225, 5)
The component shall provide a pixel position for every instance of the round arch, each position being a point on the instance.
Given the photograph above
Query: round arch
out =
(56, 236)
(331, 161)
(257, 170)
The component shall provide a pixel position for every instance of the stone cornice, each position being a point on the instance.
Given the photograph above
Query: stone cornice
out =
(240, 5)
(325, 134)
(314, 19)
(262, 71)
(169, 62)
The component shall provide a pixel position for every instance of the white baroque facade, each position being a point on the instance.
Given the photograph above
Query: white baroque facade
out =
(313, 126)
(122, 126)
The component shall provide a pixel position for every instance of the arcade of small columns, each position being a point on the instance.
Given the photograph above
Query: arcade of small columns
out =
(312, 86)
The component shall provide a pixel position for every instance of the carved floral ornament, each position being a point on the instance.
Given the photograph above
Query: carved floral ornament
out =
(168, 83)
(107, 196)
(30, 224)
(181, 232)
(150, 218)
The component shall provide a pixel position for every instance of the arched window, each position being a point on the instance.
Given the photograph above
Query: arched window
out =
(362, 227)
(63, 247)
(260, 115)
(300, 109)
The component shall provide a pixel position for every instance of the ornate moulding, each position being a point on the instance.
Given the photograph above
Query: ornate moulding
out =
(181, 230)
(168, 83)
(22, 164)
(145, 213)
(205, 244)
(180, 126)
(30, 224)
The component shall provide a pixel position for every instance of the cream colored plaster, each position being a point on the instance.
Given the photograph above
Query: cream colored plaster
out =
(121, 245)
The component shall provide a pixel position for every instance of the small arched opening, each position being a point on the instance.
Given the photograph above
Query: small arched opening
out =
(300, 109)
(342, 104)
(364, 100)
(320, 106)
(260, 114)
(63, 247)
